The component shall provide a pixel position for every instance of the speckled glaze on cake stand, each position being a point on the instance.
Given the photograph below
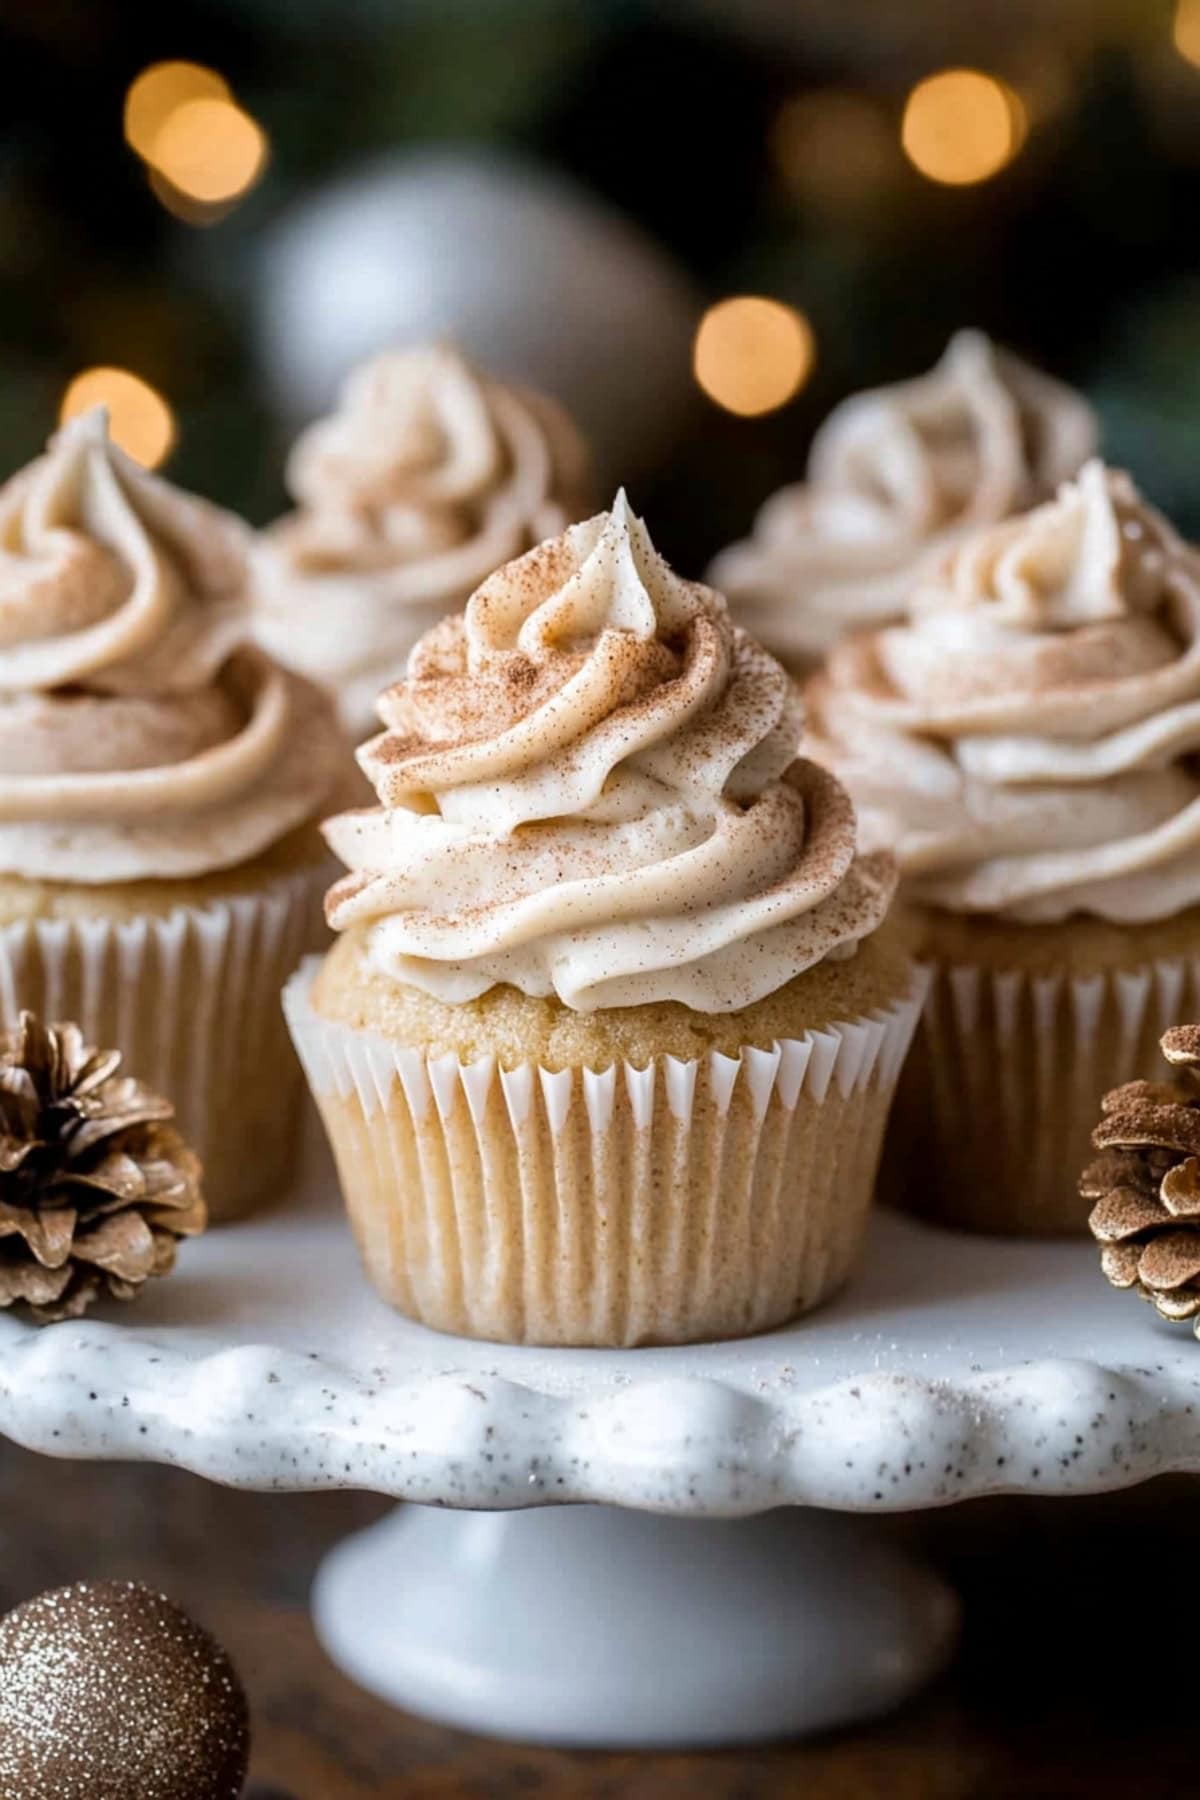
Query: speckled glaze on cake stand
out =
(679, 1607)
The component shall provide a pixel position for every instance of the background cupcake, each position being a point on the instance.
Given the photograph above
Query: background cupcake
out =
(159, 782)
(895, 474)
(606, 1046)
(426, 479)
(1027, 742)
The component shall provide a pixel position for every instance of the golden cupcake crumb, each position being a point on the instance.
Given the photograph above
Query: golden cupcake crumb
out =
(517, 1028)
(1080, 945)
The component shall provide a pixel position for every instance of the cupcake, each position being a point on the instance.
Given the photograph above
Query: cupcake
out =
(607, 1041)
(160, 866)
(427, 478)
(1027, 741)
(895, 474)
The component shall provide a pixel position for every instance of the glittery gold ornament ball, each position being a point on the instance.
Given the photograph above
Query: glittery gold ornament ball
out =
(109, 1692)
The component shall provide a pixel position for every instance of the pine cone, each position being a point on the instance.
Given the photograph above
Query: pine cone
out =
(1146, 1183)
(96, 1185)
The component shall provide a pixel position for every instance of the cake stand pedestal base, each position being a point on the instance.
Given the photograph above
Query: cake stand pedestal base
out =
(599, 1627)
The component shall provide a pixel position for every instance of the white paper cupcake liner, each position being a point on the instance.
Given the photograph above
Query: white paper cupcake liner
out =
(671, 1203)
(995, 1112)
(191, 999)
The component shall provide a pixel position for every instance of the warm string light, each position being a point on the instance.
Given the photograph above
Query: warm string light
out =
(209, 149)
(961, 126)
(157, 91)
(203, 151)
(1186, 31)
(139, 419)
(751, 354)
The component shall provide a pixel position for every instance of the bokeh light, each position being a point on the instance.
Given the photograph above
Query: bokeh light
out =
(158, 91)
(209, 150)
(139, 419)
(1186, 31)
(751, 354)
(834, 149)
(961, 126)
(182, 206)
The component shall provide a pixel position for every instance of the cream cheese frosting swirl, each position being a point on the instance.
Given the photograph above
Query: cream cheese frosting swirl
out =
(589, 788)
(1029, 739)
(140, 736)
(895, 474)
(427, 478)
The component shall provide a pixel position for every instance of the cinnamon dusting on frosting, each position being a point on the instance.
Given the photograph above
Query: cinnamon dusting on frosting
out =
(427, 478)
(895, 474)
(589, 787)
(1029, 739)
(140, 736)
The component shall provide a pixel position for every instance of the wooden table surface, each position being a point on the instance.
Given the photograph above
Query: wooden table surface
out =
(1076, 1675)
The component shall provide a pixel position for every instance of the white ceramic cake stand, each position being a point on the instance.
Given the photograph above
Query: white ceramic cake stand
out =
(681, 1607)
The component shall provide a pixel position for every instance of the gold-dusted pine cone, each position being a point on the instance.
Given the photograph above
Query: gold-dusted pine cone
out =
(1146, 1183)
(96, 1185)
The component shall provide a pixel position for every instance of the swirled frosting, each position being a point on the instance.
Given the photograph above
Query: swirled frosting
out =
(589, 788)
(895, 474)
(427, 478)
(1028, 739)
(140, 736)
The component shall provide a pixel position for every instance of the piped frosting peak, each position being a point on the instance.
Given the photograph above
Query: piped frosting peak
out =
(588, 786)
(140, 736)
(1028, 739)
(426, 478)
(898, 474)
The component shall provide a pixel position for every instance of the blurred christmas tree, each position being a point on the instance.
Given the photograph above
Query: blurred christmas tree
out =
(790, 148)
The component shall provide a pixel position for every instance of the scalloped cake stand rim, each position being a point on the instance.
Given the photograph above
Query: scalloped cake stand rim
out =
(951, 1367)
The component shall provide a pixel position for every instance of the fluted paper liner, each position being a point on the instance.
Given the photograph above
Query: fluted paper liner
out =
(670, 1204)
(191, 999)
(995, 1110)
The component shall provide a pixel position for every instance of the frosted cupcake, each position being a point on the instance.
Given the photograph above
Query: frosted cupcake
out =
(160, 866)
(1027, 740)
(895, 474)
(427, 478)
(607, 1042)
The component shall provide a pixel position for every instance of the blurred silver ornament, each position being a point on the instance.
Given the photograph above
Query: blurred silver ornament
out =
(533, 277)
